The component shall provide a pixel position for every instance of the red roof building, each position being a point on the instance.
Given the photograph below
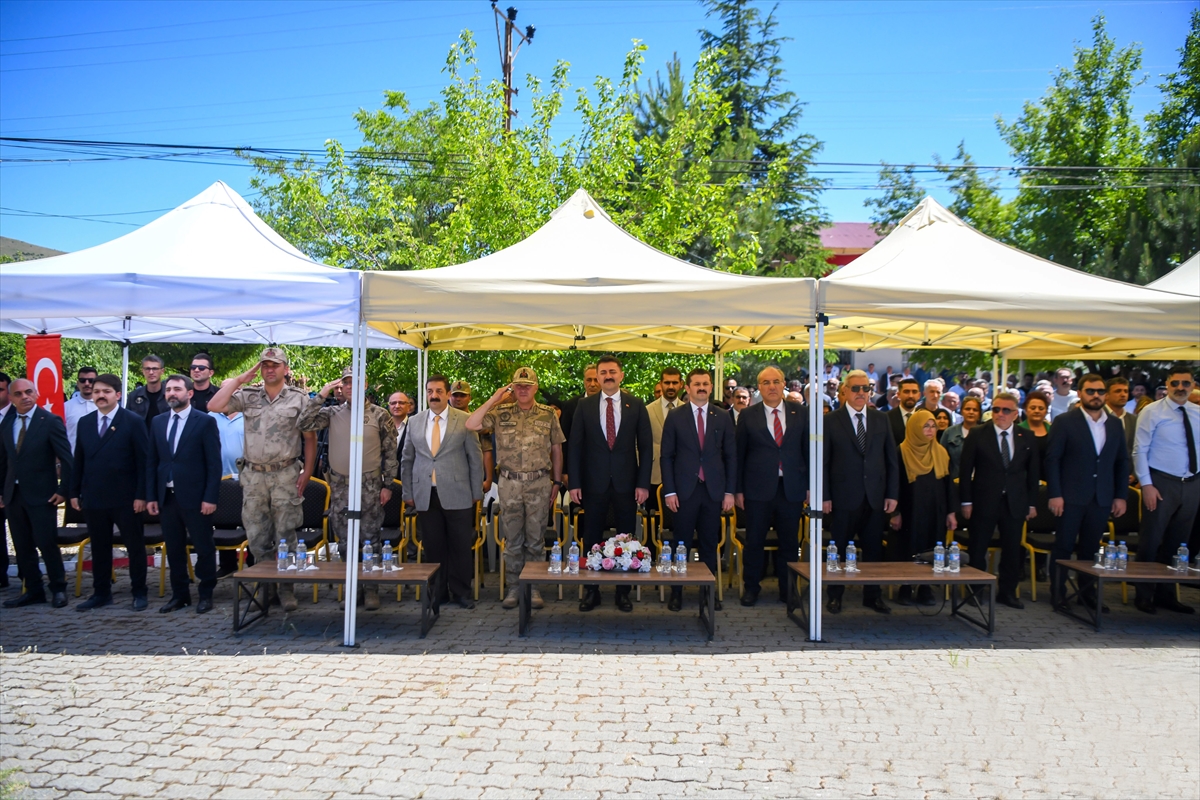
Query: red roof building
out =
(847, 241)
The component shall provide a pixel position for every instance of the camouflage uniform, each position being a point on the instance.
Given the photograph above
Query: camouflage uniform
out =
(377, 474)
(524, 471)
(270, 467)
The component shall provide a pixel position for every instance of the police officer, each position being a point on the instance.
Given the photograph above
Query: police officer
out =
(529, 464)
(272, 479)
(379, 464)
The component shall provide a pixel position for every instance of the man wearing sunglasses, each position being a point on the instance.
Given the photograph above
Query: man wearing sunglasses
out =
(201, 373)
(1165, 461)
(1087, 477)
(80, 402)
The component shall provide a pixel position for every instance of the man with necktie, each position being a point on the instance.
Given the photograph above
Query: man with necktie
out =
(671, 381)
(108, 485)
(1165, 460)
(909, 395)
(183, 475)
(35, 459)
(5, 409)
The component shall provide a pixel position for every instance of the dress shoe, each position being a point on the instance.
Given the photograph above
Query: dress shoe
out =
(925, 596)
(624, 603)
(223, 571)
(1061, 605)
(1171, 604)
(59, 600)
(904, 596)
(834, 606)
(139, 603)
(1012, 601)
(749, 598)
(95, 601)
(676, 601)
(1145, 606)
(204, 605)
(25, 599)
(879, 606)
(174, 604)
(535, 599)
(591, 599)
(465, 602)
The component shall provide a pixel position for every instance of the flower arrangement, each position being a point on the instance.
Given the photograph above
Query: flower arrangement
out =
(621, 553)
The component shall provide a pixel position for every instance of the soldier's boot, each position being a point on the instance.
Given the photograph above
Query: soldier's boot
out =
(510, 599)
(536, 600)
(287, 598)
(371, 598)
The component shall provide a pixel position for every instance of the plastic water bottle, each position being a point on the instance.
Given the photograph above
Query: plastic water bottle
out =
(831, 557)
(301, 555)
(1110, 556)
(851, 557)
(681, 555)
(1122, 557)
(388, 564)
(955, 558)
(939, 558)
(664, 559)
(368, 556)
(573, 559)
(281, 561)
(1184, 557)
(556, 559)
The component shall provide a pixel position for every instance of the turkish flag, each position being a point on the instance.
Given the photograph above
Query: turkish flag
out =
(43, 366)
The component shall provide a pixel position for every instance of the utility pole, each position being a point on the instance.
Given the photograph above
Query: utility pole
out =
(507, 54)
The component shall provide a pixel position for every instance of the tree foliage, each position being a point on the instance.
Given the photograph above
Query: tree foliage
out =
(900, 192)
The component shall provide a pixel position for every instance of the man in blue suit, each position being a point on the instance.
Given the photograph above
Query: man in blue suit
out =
(1087, 477)
(182, 478)
(699, 471)
(108, 485)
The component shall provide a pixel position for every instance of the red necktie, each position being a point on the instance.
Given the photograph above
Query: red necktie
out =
(610, 425)
(700, 432)
(778, 435)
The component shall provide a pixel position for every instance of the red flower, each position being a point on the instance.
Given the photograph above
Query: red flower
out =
(617, 551)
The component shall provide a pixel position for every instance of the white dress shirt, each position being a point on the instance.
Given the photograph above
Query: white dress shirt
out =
(1099, 436)
(109, 416)
(73, 411)
(182, 415)
(1159, 442)
(616, 406)
(771, 417)
(693, 409)
(854, 415)
(440, 421)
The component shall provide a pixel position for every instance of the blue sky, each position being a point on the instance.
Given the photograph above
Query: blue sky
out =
(895, 81)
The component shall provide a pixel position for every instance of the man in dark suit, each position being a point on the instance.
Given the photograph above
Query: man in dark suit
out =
(699, 471)
(183, 475)
(741, 401)
(772, 483)
(862, 480)
(6, 408)
(30, 441)
(108, 485)
(611, 449)
(591, 386)
(909, 395)
(998, 485)
(1087, 473)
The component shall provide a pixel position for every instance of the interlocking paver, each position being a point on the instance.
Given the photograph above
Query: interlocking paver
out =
(602, 705)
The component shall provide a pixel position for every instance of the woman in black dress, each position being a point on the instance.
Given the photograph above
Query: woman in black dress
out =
(925, 486)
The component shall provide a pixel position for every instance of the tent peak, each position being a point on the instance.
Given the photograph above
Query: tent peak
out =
(927, 212)
(580, 202)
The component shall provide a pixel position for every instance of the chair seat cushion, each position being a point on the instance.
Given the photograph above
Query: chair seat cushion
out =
(71, 535)
(229, 538)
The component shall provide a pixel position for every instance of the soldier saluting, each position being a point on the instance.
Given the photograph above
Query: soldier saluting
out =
(529, 465)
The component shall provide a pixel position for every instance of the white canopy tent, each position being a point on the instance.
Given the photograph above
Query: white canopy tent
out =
(1184, 279)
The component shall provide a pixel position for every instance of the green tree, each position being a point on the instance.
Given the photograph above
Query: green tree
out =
(1082, 133)
(901, 192)
(977, 200)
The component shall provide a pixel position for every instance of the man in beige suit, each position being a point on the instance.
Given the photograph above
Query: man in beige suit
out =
(657, 409)
(442, 475)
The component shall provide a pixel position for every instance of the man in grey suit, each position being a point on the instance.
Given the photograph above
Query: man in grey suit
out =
(657, 410)
(442, 475)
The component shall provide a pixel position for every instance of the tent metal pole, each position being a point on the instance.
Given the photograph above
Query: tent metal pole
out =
(816, 444)
(719, 377)
(995, 368)
(124, 371)
(1004, 374)
(358, 366)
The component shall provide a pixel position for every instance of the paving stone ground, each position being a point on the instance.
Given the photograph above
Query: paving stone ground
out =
(114, 703)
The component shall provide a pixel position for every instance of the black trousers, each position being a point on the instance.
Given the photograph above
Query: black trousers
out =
(1166, 527)
(178, 523)
(700, 517)
(1079, 531)
(596, 507)
(760, 516)
(983, 522)
(34, 528)
(863, 526)
(447, 536)
(100, 522)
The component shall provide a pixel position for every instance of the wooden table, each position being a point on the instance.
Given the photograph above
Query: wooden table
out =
(326, 572)
(902, 572)
(697, 575)
(1138, 572)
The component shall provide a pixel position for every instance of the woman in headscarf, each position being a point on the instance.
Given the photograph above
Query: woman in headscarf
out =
(944, 420)
(924, 512)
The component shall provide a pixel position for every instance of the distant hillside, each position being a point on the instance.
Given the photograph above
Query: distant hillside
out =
(16, 250)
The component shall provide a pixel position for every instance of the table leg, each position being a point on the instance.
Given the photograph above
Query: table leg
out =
(711, 591)
(427, 616)
(523, 602)
(1099, 601)
(240, 619)
(796, 603)
(237, 602)
(991, 609)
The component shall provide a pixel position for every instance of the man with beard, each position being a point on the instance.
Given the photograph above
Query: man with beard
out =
(671, 383)
(909, 394)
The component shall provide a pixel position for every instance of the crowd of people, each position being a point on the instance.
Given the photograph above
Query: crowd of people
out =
(907, 456)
